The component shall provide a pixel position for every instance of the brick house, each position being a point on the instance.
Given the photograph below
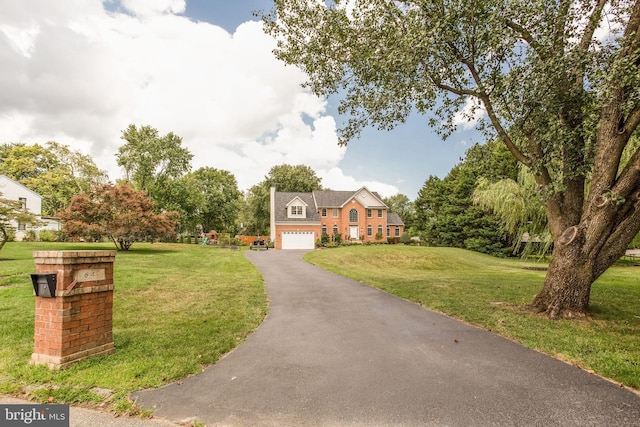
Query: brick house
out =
(298, 220)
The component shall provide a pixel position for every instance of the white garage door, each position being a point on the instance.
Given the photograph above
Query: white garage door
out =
(297, 240)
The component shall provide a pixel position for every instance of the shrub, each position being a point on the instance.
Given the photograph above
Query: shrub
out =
(50, 236)
(30, 236)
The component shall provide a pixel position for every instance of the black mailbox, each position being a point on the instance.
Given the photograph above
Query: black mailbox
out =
(44, 284)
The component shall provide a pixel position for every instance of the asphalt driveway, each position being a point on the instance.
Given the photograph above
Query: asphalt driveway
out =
(335, 352)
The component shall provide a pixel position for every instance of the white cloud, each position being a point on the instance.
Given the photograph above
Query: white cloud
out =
(335, 179)
(154, 7)
(78, 74)
(471, 113)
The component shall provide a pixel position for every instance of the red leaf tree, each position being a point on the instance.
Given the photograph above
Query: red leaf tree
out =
(122, 214)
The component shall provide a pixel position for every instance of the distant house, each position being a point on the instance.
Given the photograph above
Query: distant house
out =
(298, 220)
(31, 201)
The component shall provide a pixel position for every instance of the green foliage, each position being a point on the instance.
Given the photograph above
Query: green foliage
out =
(122, 214)
(50, 236)
(446, 215)
(401, 205)
(518, 205)
(149, 159)
(405, 238)
(216, 198)
(156, 164)
(324, 239)
(54, 171)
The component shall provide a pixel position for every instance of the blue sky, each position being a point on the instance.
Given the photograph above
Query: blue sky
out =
(405, 156)
(80, 71)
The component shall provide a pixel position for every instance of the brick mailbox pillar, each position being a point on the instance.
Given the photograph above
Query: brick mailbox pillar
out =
(76, 323)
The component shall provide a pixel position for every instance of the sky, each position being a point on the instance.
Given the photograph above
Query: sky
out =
(80, 71)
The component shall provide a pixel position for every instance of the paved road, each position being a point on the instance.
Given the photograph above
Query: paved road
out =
(334, 352)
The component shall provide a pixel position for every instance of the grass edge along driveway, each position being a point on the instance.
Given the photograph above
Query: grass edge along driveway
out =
(491, 293)
(177, 309)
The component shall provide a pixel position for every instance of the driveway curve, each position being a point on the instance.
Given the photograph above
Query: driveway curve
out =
(335, 352)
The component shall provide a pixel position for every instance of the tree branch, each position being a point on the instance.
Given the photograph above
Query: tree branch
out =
(592, 26)
(528, 37)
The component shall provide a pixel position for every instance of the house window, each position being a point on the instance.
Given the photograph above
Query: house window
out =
(296, 210)
(380, 230)
(369, 230)
(353, 215)
(335, 230)
(335, 212)
(388, 231)
(397, 231)
(369, 213)
(379, 213)
(324, 211)
(23, 202)
(324, 229)
(22, 226)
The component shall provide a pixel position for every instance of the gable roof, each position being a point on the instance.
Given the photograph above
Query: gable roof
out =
(282, 200)
(337, 199)
(394, 219)
(318, 199)
(4, 177)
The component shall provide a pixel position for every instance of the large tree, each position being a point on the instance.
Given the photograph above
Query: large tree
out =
(54, 171)
(401, 205)
(559, 82)
(217, 199)
(154, 163)
(446, 215)
(120, 213)
(285, 178)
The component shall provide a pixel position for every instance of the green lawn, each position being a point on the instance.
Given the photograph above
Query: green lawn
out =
(177, 308)
(492, 292)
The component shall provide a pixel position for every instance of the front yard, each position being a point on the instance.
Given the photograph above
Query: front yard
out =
(177, 309)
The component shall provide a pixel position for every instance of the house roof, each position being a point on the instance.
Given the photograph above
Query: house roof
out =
(282, 200)
(318, 199)
(19, 185)
(337, 199)
(394, 219)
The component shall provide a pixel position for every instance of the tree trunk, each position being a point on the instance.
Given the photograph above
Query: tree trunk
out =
(567, 286)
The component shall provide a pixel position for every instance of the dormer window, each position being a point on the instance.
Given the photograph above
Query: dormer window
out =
(297, 208)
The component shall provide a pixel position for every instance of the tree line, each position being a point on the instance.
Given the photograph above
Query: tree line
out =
(158, 196)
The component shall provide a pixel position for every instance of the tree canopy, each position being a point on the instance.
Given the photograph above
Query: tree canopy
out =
(153, 163)
(216, 199)
(120, 213)
(558, 80)
(54, 171)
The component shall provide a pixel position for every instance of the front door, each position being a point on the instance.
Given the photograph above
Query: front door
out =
(353, 232)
